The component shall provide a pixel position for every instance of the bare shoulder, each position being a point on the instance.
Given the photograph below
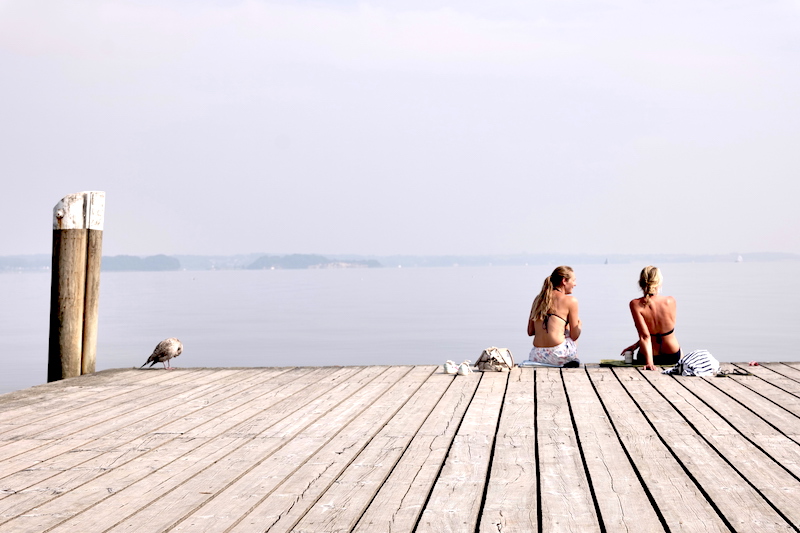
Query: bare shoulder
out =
(572, 308)
(561, 299)
(571, 301)
(666, 300)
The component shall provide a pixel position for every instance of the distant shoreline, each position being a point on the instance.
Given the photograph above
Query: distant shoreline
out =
(261, 261)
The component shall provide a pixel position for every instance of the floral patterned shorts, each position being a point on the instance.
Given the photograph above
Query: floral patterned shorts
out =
(555, 355)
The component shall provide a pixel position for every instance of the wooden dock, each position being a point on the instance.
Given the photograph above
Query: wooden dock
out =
(403, 448)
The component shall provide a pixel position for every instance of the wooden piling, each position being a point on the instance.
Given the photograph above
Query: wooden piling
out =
(74, 291)
(94, 253)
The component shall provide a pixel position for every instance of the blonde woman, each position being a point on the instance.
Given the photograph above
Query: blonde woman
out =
(654, 316)
(553, 322)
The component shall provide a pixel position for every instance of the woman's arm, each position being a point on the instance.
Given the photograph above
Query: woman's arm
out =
(645, 346)
(631, 348)
(573, 319)
(530, 321)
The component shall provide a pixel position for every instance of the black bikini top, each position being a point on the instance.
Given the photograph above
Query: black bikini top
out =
(660, 336)
(547, 317)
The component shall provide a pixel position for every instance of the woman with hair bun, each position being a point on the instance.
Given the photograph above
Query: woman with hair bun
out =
(553, 322)
(654, 316)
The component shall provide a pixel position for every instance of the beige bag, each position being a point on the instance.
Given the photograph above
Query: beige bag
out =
(495, 359)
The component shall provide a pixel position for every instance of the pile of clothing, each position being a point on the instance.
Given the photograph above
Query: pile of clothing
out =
(696, 363)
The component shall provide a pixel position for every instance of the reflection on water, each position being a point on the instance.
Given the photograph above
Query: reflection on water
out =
(392, 316)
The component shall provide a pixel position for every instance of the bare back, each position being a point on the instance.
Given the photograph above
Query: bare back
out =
(562, 315)
(655, 319)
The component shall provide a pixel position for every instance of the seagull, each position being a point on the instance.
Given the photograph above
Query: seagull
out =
(165, 350)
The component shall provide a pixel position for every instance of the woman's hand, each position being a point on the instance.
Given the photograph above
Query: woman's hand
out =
(650, 366)
(631, 348)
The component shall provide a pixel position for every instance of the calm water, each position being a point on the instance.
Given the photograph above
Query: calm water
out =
(393, 316)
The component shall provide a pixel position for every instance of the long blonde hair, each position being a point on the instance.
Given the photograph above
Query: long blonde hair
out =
(544, 300)
(649, 281)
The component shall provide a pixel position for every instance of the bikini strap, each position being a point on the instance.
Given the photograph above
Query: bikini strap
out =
(660, 336)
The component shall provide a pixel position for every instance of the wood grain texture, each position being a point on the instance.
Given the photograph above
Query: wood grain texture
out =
(567, 503)
(401, 499)
(401, 449)
(457, 494)
(737, 501)
(511, 499)
(67, 296)
(682, 505)
(344, 502)
(777, 484)
(623, 502)
(740, 418)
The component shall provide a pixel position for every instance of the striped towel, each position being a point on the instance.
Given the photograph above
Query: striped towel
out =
(696, 363)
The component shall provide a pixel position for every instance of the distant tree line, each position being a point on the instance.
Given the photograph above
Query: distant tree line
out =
(259, 261)
(25, 262)
(299, 261)
(153, 263)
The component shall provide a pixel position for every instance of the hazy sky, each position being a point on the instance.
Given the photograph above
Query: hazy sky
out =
(409, 127)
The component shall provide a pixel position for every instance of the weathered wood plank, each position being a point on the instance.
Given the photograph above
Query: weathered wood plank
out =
(787, 374)
(623, 502)
(787, 422)
(736, 500)
(770, 391)
(567, 503)
(790, 369)
(457, 495)
(104, 458)
(149, 458)
(682, 505)
(400, 449)
(343, 504)
(44, 411)
(61, 423)
(778, 486)
(281, 510)
(267, 458)
(399, 502)
(776, 379)
(21, 404)
(240, 429)
(40, 461)
(22, 454)
(784, 451)
(511, 500)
